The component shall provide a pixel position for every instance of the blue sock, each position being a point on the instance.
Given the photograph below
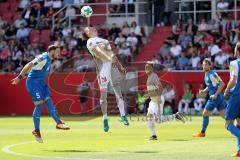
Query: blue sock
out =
(205, 123)
(238, 140)
(52, 111)
(36, 116)
(234, 130)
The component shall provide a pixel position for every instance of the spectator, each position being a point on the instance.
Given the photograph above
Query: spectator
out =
(226, 48)
(125, 51)
(10, 32)
(78, 2)
(114, 31)
(66, 31)
(29, 54)
(208, 38)
(213, 49)
(200, 100)
(71, 13)
(32, 23)
(182, 62)
(141, 102)
(184, 39)
(57, 32)
(165, 50)
(20, 21)
(59, 42)
(191, 29)
(195, 61)
(175, 50)
(177, 29)
(37, 11)
(186, 99)
(22, 32)
(2, 22)
(120, 40)
(116, 6)
(203, 26)
(42, 23)
(48, 4)
(198, 39)
(126, 29)
(66, 2)
(222, 6)
(57, 4)
(23, 4)
(17, 57)
(50, 13)
(168, 62)
(27, 13)
(132, 40)
(220, 60)
(169, 95)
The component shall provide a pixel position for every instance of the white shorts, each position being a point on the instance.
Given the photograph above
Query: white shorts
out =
(108, 73)
(156, 109)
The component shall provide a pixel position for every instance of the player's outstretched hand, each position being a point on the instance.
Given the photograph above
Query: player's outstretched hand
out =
(15, 81)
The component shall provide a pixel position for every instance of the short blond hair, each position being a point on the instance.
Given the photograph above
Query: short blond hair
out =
(237, 50)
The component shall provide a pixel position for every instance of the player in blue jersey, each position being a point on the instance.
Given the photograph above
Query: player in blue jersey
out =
(215, 86)
(232, 93)
(38, 70)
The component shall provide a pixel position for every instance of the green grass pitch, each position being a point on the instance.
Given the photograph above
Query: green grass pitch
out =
(87, 141)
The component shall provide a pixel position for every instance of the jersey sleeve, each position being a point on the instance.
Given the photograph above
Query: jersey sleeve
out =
(215, 79)
(91, 43)
(233, 69)
(38, 60)
(156, 81)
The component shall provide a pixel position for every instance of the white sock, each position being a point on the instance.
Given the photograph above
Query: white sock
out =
(105, 116)
(151, 127)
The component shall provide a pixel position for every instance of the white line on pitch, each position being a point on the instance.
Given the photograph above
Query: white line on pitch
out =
(7, 149)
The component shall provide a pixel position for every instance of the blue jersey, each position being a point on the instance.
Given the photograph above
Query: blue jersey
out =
(234, 71)
(212, 81)
(35, 83)
(42, 65)
(233, 107)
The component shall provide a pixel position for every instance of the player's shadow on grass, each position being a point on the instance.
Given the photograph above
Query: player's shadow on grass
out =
(71, 151)
(180, 140)
(139, 151)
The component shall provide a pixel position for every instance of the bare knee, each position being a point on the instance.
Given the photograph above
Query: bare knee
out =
(206, 113)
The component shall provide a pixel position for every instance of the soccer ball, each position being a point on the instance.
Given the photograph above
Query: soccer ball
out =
(86, 11)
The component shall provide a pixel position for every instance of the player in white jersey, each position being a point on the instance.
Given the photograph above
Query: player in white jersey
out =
(109, 71)
(155, 109)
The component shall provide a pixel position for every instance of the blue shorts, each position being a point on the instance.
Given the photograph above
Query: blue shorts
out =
(218, 103)
(233, 108)
(38, 89)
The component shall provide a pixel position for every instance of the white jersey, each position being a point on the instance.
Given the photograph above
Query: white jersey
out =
(106, 72)
(100, 42)
(153, 83)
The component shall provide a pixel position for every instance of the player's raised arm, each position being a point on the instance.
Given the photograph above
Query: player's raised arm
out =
(23, 72)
